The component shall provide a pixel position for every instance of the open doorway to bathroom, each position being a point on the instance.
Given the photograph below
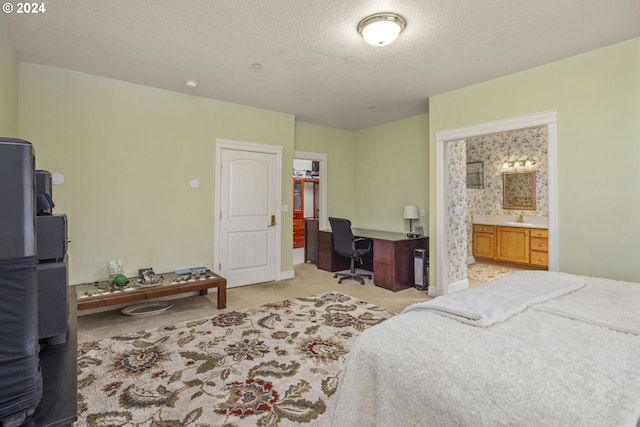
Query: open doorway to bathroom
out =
(507, 203)
(451, 206)
(309, 204)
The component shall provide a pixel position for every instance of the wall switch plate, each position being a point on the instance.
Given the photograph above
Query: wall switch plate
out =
(422, 213)
(457, 211)
(285, 208)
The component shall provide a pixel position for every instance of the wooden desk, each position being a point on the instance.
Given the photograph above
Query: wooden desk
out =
(391, 259)
(98, 294)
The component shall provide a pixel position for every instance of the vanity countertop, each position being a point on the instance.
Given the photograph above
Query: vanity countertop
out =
(512, 221)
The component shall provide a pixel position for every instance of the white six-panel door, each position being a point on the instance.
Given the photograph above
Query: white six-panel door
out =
(247, 216)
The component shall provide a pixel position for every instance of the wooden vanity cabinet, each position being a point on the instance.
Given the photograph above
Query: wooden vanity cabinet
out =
(483, 241)
(512, 244)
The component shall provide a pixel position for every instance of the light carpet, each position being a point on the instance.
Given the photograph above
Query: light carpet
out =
(276, 364)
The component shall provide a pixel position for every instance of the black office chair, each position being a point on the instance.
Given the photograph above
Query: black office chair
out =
(346, 245)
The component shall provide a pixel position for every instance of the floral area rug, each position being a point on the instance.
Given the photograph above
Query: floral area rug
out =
(273, 365)
(487, 272)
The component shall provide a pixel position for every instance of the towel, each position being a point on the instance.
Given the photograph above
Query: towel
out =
(500, 299)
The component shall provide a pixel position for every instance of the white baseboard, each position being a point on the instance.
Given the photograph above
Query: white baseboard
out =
(458, 286)
(289, 274)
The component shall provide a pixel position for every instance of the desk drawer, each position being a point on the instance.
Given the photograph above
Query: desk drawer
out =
(383, 252)
(383, 276)
(325, 243)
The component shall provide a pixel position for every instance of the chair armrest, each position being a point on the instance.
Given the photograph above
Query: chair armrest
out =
(360, 239)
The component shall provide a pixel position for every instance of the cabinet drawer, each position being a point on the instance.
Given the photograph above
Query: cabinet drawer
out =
(297, 232)
(539, 232)
(539, 258)
(479, 228)
(539, 244)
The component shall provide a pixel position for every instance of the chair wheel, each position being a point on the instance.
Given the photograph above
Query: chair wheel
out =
(335, 275)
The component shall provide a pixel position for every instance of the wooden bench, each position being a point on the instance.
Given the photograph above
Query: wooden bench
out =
(102, 293)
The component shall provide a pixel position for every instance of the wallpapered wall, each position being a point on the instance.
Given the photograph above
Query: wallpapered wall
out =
(493, 150)
(457, 195)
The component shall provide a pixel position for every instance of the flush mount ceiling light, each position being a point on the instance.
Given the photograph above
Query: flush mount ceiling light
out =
(381, 29)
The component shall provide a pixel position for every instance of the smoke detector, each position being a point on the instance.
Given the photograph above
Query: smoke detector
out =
(191, 84)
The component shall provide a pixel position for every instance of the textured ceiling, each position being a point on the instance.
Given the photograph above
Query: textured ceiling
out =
(313, 62)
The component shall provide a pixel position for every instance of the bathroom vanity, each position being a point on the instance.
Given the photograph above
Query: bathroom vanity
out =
(524, 244)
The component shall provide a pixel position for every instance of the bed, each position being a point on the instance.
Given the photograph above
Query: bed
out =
(531, 349)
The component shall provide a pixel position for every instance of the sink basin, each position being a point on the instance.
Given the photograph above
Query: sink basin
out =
(521, 224)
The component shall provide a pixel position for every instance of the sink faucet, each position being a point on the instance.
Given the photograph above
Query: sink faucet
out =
(521, 218)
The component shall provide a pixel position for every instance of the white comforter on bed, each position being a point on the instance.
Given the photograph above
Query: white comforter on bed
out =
(533, 369)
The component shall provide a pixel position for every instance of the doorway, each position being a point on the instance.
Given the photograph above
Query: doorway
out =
(247, 216)
(310, 197)
(446, 260)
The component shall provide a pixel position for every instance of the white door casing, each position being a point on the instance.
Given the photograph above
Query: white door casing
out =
(247, 214)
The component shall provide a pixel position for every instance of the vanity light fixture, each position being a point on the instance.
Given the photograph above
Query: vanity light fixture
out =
(381, 29)
(527, 163)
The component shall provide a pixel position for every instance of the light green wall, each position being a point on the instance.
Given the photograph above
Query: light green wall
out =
(391, 171)
(339, 146)
(128, 153)
(9, 78)
(597, 96)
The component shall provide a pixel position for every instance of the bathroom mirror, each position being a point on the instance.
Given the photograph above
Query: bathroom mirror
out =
(475, 175)
(519, 190)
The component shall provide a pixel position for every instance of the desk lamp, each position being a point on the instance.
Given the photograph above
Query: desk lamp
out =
(410, 213)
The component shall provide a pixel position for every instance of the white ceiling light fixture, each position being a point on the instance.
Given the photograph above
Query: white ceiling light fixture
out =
(191, 84)
(381, 29)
